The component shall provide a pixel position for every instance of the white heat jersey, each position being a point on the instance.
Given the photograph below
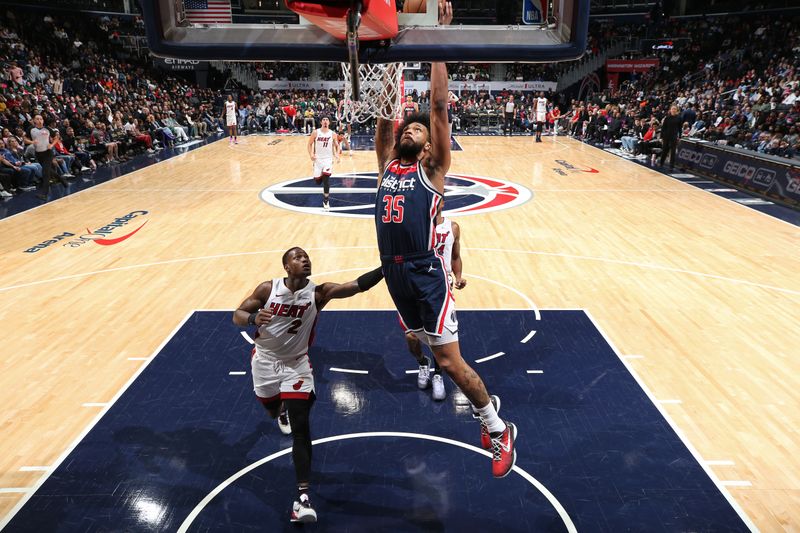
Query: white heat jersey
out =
(230, 109)
(541, 109)
(444, 243)
(291, 331)
(323, 146)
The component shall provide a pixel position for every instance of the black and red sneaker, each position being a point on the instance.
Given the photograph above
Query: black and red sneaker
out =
(486, 441)
(504, 453)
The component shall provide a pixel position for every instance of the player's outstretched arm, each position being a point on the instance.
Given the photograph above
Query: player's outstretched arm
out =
(384, 144)
(328, 291)
(251, 312)
(440, 129)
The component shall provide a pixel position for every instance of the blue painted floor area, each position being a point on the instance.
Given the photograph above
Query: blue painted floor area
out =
(28, 200)
(757, 203)
(587, 433)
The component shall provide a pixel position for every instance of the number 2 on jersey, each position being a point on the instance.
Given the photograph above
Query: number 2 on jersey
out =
(393, 208)
(294, 326)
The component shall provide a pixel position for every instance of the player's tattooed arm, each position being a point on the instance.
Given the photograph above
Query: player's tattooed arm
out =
(384, 144)
(251, 311)
(439, 159)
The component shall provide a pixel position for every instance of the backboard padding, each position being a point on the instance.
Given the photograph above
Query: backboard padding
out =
(421, 42)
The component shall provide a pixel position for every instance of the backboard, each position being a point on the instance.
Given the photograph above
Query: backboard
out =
(482, 31)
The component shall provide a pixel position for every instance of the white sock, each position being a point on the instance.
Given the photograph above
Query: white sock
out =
(489, 416)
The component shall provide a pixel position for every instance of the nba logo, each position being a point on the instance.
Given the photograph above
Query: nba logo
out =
(532, 12)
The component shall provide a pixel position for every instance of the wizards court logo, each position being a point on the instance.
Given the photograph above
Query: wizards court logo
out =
(353, 195)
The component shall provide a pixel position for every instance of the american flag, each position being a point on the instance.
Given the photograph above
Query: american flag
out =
(208, 11)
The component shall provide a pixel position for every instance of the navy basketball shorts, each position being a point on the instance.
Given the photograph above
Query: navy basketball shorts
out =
(421, 293)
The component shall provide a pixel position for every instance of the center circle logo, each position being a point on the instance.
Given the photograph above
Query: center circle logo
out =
(353, 195)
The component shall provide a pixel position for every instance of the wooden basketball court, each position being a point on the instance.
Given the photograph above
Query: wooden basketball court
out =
(703, 294)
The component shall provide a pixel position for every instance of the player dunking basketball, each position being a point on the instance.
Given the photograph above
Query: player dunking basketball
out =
(412, 167)
(285, 312)
(323, 146)
(230, 120)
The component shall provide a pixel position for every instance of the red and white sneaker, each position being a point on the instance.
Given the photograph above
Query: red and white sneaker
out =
(486, 440)
(504, 453)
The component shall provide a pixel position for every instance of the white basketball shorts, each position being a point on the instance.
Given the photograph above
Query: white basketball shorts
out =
(322, 166)
(277, 379)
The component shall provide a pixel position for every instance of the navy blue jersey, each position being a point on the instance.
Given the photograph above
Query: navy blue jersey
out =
(405, 210)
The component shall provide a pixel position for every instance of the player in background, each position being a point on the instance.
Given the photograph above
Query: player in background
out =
(284, 311)
(540, 112)
(410, 107)
(343, 134)
(452, 99)
(323, 147)
(230, 120)
(448, 246)
(555, 117)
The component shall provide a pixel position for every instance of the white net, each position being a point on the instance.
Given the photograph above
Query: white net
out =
(381, 88)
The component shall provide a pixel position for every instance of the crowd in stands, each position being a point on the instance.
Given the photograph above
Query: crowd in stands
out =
(739, 86)
(284, 71)
(100, 105)
(534, 71)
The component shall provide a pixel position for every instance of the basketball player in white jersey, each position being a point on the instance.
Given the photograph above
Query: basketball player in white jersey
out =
(230, 120)
(410, 107)
(452, 99)
(285, 312)
(540, 110)
(448, 246)
(323, 146)
(344, 138)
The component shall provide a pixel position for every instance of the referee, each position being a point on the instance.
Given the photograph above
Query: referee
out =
(43, 145)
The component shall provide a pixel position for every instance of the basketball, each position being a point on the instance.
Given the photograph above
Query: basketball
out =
(414, 6)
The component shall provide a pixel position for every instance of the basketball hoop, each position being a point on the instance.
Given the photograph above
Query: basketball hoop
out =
(380, 87)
